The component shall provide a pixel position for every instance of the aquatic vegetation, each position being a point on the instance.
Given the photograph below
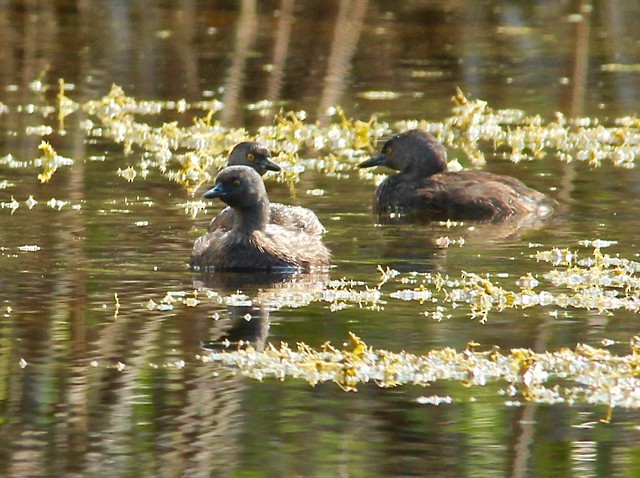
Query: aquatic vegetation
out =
(50, 161)
(128, 173)
(599, 282)
(583, 375)
(521, 137)
(12, 205)
(30, 203)
(193, 208)
(208, 142)
(297, 291)
(190, 148)
(338, 145)
(66, 106)
(189, 153)
(171, 298)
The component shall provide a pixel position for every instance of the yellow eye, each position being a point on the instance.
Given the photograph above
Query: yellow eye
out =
(236, 182)
(250, 156)
(388, 150)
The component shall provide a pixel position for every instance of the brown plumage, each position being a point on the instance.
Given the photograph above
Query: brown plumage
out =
(259, 158)
(253, 242)
(425, 188)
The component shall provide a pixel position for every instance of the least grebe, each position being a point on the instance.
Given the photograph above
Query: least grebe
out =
(250, 153)
(424, 187)
(254, 242)
(253, 155)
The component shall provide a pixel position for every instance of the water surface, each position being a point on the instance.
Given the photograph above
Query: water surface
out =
(95, 380)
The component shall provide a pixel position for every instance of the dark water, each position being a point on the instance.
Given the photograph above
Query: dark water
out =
(89, 387)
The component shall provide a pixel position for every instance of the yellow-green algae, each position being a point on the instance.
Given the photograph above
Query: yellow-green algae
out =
(598, 281)
(50, 161)
(339, 145)
(300, 290)
(471, 122)
(190, 153)
(30, 203)
(583, 375)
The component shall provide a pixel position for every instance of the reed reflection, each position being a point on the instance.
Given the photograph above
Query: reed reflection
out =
(348, 25)
(123, 395)
(246, 33)
(281, 50)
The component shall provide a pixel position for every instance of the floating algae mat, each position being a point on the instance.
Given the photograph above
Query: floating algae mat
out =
(583, 375)
(600, 282)
(338, 146)
(187, 153)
